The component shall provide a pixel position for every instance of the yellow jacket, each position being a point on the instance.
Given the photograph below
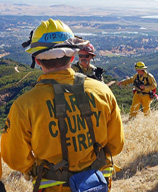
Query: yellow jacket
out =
(90, 71)
(148, 87)
(33, 132)
(87, 71)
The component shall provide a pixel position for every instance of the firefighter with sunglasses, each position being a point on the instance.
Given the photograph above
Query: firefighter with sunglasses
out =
(84, 66)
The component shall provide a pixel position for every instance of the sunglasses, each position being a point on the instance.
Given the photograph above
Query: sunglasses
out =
(83, 56)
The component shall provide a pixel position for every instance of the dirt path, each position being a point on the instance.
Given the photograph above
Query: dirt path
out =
(16, 69)
(4, 54)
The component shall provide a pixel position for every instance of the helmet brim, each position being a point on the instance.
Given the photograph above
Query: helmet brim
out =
(92, 54)
(57, 53)
(141, 68)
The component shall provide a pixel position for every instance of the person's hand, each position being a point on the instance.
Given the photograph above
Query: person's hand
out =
(27, 177)
(119, 83)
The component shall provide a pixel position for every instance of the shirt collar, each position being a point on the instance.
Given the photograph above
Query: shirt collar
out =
(64, 76)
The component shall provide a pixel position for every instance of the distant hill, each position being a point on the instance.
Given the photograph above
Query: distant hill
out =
(123, 66)
(56, 10)
(68, 10)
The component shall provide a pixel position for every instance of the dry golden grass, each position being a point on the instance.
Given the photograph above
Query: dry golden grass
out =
(139, 159)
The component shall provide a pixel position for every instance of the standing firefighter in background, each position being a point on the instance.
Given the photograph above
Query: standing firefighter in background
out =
(84, 66)
(68, 124)
(144, 88)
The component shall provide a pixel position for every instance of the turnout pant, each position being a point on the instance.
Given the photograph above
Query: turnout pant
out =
(138, 100)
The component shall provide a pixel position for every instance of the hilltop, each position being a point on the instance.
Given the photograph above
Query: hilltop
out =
(69, 10)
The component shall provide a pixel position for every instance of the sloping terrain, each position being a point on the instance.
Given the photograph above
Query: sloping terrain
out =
(15, 79)
(139, 159)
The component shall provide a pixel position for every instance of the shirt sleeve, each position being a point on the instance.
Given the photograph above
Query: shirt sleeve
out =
(115, 132)
(16, 141)
(152, 83)
(128, 81)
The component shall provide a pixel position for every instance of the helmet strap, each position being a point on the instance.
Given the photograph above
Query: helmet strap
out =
(27, 43)
(93, 60)
(33, 62)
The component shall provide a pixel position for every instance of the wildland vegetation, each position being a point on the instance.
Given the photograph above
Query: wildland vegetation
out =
(17, 78)
(138, 160)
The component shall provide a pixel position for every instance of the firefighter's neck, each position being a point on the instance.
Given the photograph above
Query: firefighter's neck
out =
(45, 70)
(53, 69)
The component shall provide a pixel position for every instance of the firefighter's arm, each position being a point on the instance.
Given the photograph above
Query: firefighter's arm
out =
(115, 132)
(126, 81)
(152, 83)
(16, 141)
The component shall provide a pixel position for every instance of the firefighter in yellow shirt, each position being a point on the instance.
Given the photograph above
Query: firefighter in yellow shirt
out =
(144, 88)
(85, 55)
(41, 120)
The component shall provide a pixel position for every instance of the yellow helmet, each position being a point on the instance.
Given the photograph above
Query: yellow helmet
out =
(140, 65)
(48, 34)
(52, 39)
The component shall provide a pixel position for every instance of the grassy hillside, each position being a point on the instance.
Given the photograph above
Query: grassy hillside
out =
(124, 66)
(139, 159)
(15, 79)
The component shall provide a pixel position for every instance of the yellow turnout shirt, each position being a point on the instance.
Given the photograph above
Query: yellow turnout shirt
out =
(32, 130)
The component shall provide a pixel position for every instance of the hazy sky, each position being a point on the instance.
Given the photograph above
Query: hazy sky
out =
(97, 3)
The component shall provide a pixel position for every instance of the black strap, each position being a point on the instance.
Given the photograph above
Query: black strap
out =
(2, 187)
(60, 111)
(85, 109)
(147, 80)
(147, 83)
(38, 180)
(27, 43)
